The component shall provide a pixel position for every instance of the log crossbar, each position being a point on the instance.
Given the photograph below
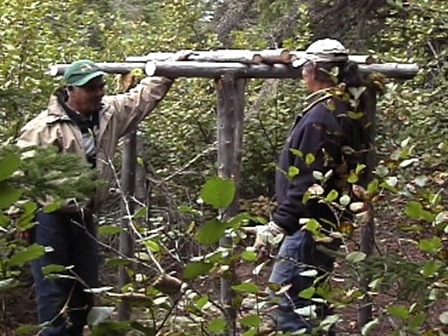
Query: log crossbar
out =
(271, 63)
(190, 69)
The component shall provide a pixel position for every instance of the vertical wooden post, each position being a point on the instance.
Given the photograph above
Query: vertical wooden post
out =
(367, 232)
(230, 108)
(127, 207)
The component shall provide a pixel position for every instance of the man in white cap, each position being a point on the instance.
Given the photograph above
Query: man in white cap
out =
(314, 147)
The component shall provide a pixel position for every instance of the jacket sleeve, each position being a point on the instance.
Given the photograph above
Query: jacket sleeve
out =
(310, 139)
(37, 133)
(132, 107)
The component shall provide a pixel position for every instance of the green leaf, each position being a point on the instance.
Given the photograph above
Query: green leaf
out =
(9, 165)
(373, 186)
(307, 293)
(111, 328)
(8, 195)
(196, 269)
(218, 192)
(249, 256)
(246, 287)
(431, 268)
(210, 232)
(430, 245)
(141, 213)
(217, 325)
(251, 321)
(147, 331)
(413, 209)
(309, 159)
(152, 245)
(313, 226)
(52, 207)
(355, 115)
(53, 269)
(109, 230)
(353, 178)
(293, 172)
(398, 311)
(28, 329)
(118, 262)
(99, 314)
(32, 252)
(360, 168)
(356, 257)
(189, 210)
(296, 152)
(202, 301)
(332, 196)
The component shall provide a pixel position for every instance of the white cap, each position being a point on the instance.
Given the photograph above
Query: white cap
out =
(325, 50)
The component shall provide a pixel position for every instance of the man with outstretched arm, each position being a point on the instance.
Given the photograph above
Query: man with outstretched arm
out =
(81, 119)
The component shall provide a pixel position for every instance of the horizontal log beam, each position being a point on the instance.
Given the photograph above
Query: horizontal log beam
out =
(268, 56)
(240, 56)
(113, 68)
(215, 70)
(176, 69)
(360, 59)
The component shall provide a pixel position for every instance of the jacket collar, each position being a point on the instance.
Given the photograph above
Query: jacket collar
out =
(57, 113)
(55, 109)
(317, 97)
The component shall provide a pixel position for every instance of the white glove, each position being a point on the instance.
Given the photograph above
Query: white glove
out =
(270, 233)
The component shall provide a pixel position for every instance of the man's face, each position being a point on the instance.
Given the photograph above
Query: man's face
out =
(88, 97)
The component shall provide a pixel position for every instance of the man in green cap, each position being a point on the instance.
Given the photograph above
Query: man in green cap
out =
(81, 119)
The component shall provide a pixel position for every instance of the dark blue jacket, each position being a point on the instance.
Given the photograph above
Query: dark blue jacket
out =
(323, 130)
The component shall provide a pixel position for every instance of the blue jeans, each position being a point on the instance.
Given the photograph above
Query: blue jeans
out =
(73, 239)
(297, 254)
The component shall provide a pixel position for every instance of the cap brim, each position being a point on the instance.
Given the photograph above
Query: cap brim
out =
(83, 81)
(299, 62)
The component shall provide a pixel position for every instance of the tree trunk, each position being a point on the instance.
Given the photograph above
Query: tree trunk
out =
(230, 136)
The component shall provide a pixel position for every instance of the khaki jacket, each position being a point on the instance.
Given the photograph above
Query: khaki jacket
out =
(119, 114)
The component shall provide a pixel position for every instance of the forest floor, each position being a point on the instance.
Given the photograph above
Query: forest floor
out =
(21, 308)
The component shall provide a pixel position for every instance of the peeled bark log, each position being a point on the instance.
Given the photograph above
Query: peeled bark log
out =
(230, 111)
(240, 56)
(360, 59)
(116, 68)
(272, 56)
(215, 70)
(176, 69)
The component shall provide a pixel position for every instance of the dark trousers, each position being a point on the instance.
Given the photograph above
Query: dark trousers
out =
(63, 302)
(297, 254)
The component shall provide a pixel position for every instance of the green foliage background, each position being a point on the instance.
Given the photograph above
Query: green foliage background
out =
(411, 141)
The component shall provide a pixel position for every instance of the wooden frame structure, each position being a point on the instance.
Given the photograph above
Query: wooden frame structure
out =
(231, 69)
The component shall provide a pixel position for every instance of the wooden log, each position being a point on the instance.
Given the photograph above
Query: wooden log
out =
(174, 69)
(230, 116)
(273, 56)
(240, 56)
(367, 231)
(127, 206)
(360, 59)
(116, 68)
(215, 70)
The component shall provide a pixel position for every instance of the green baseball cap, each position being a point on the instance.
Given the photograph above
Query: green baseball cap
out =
(82, 71)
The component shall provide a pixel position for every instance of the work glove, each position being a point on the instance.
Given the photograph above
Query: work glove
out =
(269, 234)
